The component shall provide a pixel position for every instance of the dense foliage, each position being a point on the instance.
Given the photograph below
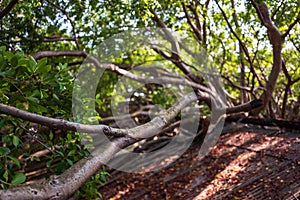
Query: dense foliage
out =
(230, 31)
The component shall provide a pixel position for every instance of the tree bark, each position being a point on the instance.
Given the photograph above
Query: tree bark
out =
(276, 39)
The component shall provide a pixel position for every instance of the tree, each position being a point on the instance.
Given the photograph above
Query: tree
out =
(45, 45)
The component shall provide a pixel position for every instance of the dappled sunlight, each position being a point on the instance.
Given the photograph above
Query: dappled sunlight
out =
(149, 99)
(243, 165)
(227, 177)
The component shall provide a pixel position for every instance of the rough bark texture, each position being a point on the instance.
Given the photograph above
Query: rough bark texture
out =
(276, 39)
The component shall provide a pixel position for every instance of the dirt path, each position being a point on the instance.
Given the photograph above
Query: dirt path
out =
(243, 165)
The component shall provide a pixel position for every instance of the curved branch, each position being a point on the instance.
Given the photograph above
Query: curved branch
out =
(197, 16)
(60, 123)
(115, 68)
(202, 96)
(276, 39)
(277, 9)
(8, 8)
(178, 62)
(243, 88)
(159, 80)
(63, 186)
(245, 107)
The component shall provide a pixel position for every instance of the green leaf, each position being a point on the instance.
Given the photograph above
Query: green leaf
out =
(43, 69)
(51, 136)
(60, 153)
(33, 99)
(42, 62)
(5, 175)
(103, 176)
(89, 146)
(42, 66)
(4, 151)
(3, 64)
(16, 141)
(14, 61)
(2, 48)
(18, 178)
(48, 163)
(15, 160)
(70, 162)
(71, 153)
(26, 154)
(23, 62)
(31, 64)
(36, 158)
(55, 97)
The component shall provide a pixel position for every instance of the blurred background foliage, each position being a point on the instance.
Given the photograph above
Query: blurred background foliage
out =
(45, 86)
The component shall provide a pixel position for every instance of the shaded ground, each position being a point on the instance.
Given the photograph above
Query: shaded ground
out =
(248, 164)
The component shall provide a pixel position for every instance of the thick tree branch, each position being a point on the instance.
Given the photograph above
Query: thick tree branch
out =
(115, 68)
(60, 123)
(8, 8)
(63, 186)
(49, 54)
(245, 107)
(276, 40)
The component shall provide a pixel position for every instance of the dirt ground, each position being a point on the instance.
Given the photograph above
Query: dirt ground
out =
(246, 164)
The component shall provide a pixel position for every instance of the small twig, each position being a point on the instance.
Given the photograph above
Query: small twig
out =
(242, 45)
(34, 137)
(291, 26)
(69, 19)
(195, 29)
